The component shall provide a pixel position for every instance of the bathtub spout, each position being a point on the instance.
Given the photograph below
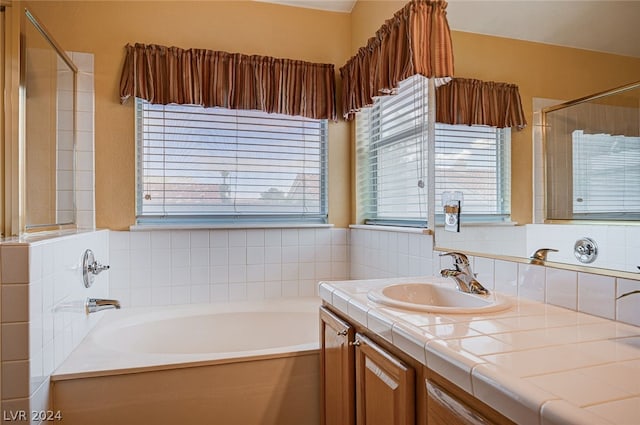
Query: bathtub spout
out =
(98, 304)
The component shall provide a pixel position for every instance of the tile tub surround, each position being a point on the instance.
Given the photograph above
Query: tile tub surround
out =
(535, 363)
(43, 317)
(201, 266)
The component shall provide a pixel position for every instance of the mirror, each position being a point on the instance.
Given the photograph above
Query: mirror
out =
(590, 172)
(48, 96)
(592, 157)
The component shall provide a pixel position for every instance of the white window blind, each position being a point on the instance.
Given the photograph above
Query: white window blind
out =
(391, 140)
(476, 161)
(199, 163)
(606, 172)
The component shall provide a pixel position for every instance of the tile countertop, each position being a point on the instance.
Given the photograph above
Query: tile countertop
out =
(535, 363)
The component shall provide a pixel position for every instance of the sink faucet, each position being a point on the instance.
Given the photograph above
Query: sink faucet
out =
(98, 304)
(540, 256)
(463, 276)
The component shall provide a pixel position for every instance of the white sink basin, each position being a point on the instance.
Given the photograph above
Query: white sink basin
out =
(436, 298)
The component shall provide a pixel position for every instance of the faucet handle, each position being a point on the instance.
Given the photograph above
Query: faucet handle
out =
(541, 254)
(458, 258)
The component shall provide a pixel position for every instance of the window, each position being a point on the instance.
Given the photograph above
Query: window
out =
(199, 164)
(391, 139)
(606, 172)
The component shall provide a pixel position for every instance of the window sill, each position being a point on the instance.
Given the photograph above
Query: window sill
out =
(222, 226)
(396, 229)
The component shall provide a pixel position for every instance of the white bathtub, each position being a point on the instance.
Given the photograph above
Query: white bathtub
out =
(240, 363)
(159, 337)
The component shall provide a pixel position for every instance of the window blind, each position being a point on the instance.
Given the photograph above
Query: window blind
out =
(198, 163)
(475, 160)
(392, 161)
(606, 172)
(391, 156)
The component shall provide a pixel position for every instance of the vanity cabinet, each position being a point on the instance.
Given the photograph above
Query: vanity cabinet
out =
(365, 380)
(361, 382)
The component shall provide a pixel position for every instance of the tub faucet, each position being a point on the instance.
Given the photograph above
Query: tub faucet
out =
(98, 304)
(463, 276)
(540, 256)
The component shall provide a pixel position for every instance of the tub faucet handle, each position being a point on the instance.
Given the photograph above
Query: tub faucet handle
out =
(91, 268)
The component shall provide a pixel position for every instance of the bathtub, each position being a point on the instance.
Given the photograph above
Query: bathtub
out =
(237, 363)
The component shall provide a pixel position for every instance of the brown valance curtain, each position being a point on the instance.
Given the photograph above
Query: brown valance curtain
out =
(476, 102)
(163, 75)
(415, 41)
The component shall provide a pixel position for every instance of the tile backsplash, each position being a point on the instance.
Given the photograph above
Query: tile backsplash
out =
(200, 266)
(382, 253)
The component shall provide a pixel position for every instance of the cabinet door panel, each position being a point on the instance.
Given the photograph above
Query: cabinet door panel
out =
(337, 370)
(385, 387)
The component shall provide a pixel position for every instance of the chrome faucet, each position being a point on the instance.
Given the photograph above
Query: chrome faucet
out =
(463, 276)
(540, 256)
(98, 304)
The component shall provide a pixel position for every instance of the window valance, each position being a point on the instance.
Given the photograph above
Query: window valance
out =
(476, 102)
(163, 75)
(416, 40)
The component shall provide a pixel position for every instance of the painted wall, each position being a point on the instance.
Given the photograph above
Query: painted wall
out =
(105, 27)
(539, 70)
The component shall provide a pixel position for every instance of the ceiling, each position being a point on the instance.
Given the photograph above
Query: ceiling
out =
(605, 25)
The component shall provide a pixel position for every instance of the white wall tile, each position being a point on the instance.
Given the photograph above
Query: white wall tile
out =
(219, 239)
(531, 282)
(238, 238)
(273, 237)
(290, 237)
(506, 277)
(596, 295)
(627, 307)
(562, 288)
(255, 237)
(199, 239)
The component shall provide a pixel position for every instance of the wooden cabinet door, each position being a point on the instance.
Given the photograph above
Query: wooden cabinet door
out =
(337, 371)
(385, 387)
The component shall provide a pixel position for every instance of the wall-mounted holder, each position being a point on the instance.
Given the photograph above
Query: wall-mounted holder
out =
(585, 250)
(452, 205)
(91, 268)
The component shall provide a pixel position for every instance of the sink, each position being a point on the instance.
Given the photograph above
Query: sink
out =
(436, 298)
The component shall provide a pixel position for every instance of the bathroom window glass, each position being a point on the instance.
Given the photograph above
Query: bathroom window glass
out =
(203, 164)
(391, 138)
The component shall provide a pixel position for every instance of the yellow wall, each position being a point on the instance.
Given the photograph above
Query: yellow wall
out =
(540, 70)
(104, 27)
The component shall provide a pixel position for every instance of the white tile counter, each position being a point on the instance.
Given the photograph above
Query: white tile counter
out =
(534, 363)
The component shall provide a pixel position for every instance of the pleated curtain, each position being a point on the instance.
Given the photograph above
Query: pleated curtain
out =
(416, 40)
(164, 75)
(475, 102)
